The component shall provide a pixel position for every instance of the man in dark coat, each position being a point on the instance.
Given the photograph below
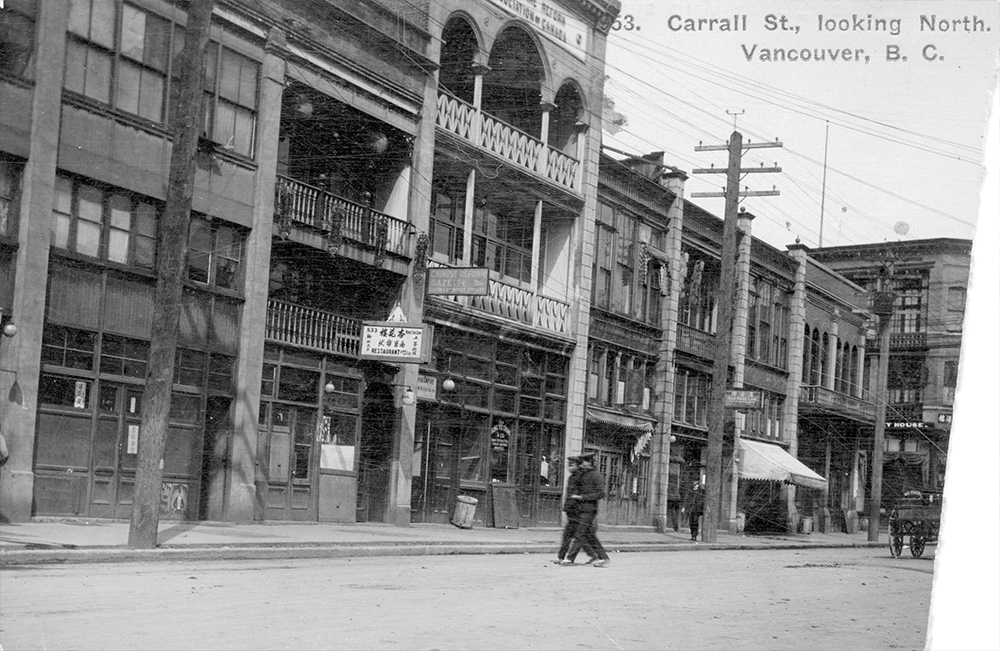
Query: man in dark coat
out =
(695, 506)
(584, 490)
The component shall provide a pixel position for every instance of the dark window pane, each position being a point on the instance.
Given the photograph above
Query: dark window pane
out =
(298, 385)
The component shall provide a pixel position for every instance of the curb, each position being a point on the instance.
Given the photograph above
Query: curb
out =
(62, 556)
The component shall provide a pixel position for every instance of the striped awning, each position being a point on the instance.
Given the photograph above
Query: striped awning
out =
(632, 424)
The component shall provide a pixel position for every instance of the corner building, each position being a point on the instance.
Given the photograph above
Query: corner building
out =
(517, 133)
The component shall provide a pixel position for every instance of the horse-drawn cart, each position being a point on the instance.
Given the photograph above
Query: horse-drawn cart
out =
(917, 515)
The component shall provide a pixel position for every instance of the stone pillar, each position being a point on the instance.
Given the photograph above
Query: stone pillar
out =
(859, 387)
(797, 345)
(665, 369)
(22, 352)
(543, 156)
(479, 70)
(739, 349)
(411, 301)
(834, 365)
(241, 495)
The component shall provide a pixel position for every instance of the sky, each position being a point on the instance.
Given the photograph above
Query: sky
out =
(902, 140)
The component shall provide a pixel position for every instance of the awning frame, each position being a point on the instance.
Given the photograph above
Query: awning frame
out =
(769, 462)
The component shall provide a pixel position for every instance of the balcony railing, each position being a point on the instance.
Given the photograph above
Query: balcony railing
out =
(695, 341)
(518, 304)
(494, 135)
(900, 340)
(297, 325)
(839, 403)
(338, 218)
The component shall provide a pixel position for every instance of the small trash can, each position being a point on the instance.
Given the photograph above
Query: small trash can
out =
(806, 524)
(465, 510)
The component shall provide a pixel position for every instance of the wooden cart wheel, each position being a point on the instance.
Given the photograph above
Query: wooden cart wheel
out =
(916, 546)
(896, 546)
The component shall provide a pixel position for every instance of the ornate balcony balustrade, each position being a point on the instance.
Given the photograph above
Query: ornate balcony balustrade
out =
(695, 341)
(340, 219)
(501, 139)
(298, 325)
(839, 403)
(901, 340)
(518, 304)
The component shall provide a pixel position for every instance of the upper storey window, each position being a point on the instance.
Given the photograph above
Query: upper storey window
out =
(501, 240)
(128, 58)
(105, 223)
(17, 37)
(625, 280)
(448, 219)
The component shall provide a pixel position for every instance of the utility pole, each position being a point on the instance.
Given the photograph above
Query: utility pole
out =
(172, 253)
(883, 305)
(717, 414)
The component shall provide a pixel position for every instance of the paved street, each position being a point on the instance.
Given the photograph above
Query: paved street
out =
(857, 598)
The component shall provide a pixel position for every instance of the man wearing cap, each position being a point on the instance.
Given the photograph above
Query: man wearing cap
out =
(695, 506)
(584, 489)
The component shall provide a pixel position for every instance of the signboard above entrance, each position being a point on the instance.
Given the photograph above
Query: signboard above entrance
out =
(391, 341)
(466, 281)
(743, 399)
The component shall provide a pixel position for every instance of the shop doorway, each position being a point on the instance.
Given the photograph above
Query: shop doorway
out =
(375, 452)
(115, 450)
(288, 434)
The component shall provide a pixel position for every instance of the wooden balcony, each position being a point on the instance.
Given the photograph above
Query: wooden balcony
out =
(817, 399)
(695, 342)
(306, 327)
(506, 142)
(518, 304)
(337, 218)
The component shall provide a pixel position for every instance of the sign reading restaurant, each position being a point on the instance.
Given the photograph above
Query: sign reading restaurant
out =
(394, 341)
(552, 22)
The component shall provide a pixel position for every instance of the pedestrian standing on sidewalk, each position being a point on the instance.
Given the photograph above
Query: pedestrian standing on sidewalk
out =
(585, 493)
(695, 506)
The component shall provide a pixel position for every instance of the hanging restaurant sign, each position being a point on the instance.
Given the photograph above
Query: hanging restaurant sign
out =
(393, 341)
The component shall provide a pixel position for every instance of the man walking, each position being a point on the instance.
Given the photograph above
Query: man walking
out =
(584, 490)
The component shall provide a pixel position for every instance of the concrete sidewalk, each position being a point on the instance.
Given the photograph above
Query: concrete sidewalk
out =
(71, 540)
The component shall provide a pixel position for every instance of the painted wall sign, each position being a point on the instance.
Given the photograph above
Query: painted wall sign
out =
(467, 281)
(552, 22)
(396, 342)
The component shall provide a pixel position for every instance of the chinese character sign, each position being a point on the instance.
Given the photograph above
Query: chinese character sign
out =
(398, 342)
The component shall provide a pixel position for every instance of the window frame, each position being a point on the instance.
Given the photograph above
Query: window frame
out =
(70, 214)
